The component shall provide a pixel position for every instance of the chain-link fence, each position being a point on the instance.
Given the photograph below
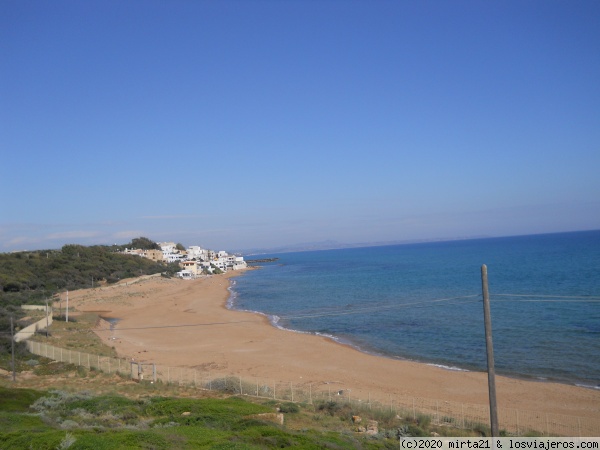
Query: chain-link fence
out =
(439, 412)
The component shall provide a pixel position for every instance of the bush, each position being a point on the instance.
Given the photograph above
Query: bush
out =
(329, 407)
(289, 407)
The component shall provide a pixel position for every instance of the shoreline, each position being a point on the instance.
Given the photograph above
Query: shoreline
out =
(273, 321)
(454, 368)
(187, 323)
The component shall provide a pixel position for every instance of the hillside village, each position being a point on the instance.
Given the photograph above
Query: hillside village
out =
(194, 261)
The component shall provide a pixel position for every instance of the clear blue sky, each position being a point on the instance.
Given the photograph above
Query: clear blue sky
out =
(243, 124)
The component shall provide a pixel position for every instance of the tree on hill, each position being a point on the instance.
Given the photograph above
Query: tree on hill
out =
(143, 243)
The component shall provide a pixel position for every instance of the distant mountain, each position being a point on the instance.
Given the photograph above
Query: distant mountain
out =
(302, 247)
(333, 245)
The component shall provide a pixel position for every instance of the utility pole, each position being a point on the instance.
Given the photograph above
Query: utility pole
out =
(490, 353)
(12, 345)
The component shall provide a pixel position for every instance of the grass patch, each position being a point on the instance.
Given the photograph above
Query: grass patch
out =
(17, 400)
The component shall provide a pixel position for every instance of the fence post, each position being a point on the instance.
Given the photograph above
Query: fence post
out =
(241, 392)
(310, 393)
(274, 390)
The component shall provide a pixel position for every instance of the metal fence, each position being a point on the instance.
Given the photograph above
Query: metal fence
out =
(438, 412)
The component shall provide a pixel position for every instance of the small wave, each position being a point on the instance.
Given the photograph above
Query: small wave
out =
(452, 368)
(232, 295)
(588, 386)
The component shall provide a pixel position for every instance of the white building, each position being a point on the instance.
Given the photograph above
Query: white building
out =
(167, 247)
(198, 253)
(186, 275)
(173, 257)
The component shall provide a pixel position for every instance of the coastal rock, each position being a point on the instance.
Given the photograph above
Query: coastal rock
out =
(271, 417)
(373, 427)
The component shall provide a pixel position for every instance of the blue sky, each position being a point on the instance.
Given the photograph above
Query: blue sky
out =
(244, 124)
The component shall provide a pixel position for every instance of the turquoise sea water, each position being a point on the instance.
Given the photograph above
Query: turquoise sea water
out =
(423, 301)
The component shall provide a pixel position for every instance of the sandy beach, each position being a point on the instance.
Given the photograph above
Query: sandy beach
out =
(186, 324)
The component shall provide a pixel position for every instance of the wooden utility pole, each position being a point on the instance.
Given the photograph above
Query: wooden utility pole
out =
(490, 353)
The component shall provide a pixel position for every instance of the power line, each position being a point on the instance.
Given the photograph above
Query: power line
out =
(524, 298)
(548, 298)
(375, 308)
(337, 312)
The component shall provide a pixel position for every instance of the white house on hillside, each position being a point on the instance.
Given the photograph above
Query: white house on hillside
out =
(196, 252)
(167, 247)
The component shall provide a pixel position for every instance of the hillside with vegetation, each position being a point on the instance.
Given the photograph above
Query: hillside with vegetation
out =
(56, 418)
(31, 277)
(44, 272)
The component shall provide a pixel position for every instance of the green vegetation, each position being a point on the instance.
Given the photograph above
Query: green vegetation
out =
(142, 243)
(32, 277)
(74, 407)
(40, 273)
(59, 419)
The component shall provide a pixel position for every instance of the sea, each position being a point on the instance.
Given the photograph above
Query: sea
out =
(423, 302)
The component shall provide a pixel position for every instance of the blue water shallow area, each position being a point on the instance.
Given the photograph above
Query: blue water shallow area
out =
(423, 301)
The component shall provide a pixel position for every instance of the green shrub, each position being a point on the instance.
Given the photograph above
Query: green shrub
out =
(329, 407)
(289, 407)
(17, 400)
